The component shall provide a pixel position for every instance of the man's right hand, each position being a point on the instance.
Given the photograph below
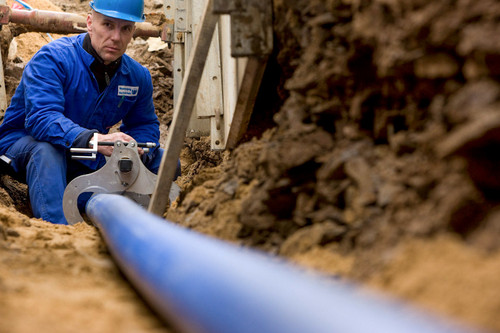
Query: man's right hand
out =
(112, 137)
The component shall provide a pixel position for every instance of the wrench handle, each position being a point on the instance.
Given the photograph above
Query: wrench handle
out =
(139, 144)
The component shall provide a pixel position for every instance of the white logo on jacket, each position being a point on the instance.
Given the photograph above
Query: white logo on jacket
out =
(128, 91)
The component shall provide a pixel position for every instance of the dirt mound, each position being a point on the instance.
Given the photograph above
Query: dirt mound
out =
(383, 151)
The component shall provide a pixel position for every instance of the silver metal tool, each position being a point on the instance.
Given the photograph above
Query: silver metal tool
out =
(91, 153)
(124, 173)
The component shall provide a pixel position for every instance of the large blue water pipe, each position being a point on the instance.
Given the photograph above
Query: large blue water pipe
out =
(202, 284)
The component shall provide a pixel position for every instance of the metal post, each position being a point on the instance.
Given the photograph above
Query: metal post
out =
(180, 32)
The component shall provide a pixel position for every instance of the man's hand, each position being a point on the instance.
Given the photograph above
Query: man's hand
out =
(117, 136)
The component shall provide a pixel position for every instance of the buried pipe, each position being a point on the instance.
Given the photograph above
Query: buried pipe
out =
(202, 284)
(61, 22)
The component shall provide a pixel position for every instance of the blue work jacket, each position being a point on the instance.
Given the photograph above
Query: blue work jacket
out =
(58, 98)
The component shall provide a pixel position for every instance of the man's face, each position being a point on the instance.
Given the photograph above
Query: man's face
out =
(109, 36)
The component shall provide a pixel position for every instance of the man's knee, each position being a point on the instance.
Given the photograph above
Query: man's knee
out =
(27, 150)
(47, 149)
(47, 155)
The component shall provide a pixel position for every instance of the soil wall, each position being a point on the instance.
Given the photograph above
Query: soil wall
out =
(380, 166)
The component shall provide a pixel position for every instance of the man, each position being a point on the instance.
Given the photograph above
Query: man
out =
(72, 88)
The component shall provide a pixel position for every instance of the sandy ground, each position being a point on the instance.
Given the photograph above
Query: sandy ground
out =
(365, 143)
(61, 278)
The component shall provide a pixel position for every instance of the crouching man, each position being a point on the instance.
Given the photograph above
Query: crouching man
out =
(72, 88)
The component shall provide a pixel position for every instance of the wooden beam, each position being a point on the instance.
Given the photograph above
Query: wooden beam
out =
(251, 80)
(183, 110)
(3, 94)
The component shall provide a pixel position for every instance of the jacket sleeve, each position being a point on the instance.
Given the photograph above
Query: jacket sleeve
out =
(44, 79)
(141, 122)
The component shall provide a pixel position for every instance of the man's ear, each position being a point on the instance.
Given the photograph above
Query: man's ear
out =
(89, 22)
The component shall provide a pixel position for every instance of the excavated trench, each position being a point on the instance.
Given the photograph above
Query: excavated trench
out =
(370, 157)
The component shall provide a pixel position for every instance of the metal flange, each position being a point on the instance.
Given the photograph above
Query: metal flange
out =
(136, 182)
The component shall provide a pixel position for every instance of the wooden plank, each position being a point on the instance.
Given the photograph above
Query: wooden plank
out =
(3, 94)
(183, 111)
(250, 84)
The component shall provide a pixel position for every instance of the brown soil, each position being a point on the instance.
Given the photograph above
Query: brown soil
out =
(371, 157)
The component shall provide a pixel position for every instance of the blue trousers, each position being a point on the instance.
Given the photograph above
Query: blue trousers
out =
(48, 169)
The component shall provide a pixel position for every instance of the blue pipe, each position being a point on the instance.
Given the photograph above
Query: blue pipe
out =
(202, 284)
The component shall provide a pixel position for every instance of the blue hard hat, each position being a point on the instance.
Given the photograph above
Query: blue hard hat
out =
(128, 10)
